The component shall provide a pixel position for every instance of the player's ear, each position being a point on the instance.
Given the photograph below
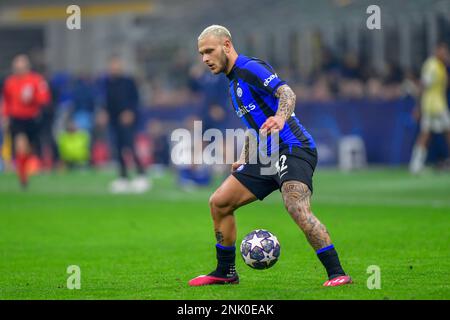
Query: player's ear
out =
(226, 46)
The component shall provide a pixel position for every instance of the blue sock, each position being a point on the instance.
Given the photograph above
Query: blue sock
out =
(226, 257)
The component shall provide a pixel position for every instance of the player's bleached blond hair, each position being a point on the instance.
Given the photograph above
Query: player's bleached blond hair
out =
(216, 30)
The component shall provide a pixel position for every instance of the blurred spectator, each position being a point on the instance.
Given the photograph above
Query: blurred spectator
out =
(411, 84)
(160, 144)
(191, 175)
(178, 70)
(83, 99)
(214, 93)
(374, 88)
(393, 74)
(320, 90)
(329, 63)
(351, 89)
(164, 96)
(122, 102)
(73, 145)
(351, 68)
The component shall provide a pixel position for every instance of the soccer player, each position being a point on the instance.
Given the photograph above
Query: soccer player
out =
(265, 103)
(122, 107)
(435, 116)
(25, 93)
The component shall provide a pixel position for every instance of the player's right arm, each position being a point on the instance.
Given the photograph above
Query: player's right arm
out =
(43, 95)
(286, 106)
(248, 150)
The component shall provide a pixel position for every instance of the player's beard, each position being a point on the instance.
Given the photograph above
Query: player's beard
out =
(224, 61)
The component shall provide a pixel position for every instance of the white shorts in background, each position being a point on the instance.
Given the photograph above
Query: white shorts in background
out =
(435, 123)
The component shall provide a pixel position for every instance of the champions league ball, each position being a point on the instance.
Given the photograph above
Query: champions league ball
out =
(260, 249)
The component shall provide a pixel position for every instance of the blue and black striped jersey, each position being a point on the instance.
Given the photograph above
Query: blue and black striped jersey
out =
(253, 84)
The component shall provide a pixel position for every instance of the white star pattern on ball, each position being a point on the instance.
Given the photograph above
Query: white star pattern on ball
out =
(255, 242)
(249, 260)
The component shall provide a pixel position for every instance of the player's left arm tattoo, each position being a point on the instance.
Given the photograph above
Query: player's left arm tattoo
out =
(286, 103)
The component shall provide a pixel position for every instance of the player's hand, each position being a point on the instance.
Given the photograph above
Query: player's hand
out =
(272, 124)
(126, 118)
(236, 165)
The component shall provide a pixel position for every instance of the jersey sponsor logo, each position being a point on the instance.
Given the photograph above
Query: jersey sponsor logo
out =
(245, 109)
(269, 79)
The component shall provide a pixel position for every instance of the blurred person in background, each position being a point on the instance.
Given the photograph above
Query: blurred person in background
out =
(122, 101)
(84, 96)
(160, 146)
(25, 93)
(192, 175)
(214, 91)
(83, 99)
(434, 115)
(73, 145)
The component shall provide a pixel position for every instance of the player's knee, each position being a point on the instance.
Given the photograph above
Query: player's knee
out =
(21, 143)
(220, 204)
(296, 200)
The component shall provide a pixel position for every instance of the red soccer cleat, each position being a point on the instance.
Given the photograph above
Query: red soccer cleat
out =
(338, 281)
(207, 280)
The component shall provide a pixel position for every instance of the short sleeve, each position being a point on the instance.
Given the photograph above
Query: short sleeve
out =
(262, 76)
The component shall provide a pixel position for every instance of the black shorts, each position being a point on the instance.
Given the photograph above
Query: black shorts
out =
(296, 164)
(29, 127)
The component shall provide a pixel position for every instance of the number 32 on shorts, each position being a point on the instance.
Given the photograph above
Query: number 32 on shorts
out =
(281, 165)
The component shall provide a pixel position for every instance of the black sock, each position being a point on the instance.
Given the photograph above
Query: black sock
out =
(226, 257)
(330, 260)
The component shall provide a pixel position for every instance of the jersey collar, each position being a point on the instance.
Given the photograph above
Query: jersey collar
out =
(238, 63)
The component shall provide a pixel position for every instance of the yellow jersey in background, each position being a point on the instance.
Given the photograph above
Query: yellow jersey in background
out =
(434, 78)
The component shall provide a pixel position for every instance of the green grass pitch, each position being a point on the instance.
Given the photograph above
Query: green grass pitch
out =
(149, 246)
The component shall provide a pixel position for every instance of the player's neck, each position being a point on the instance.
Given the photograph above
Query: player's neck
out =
(231, 61)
